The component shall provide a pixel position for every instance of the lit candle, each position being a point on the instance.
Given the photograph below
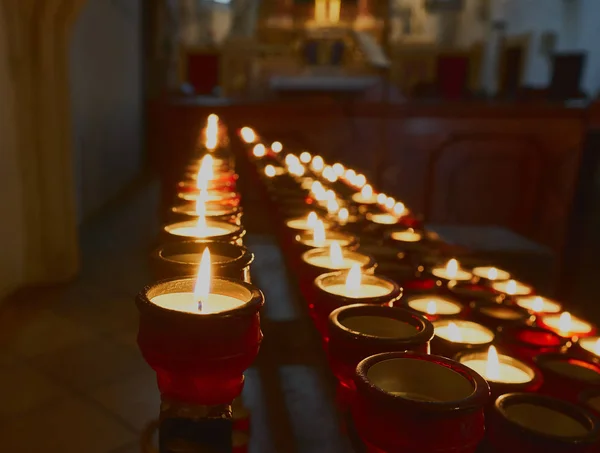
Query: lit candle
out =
(500, 368)
(305, 157)
(335, 258)
(338, 169)
(212, 131)
(276, 147)
(452, 271)
(209, 195)
(383, 218)
(591, 344)
(399, 209)
(365, 196)
(381, 198)
(360, 180)
(202, 229)
(271, 171)
(248, 135)
(491, 273)
(435, 305)
(259, 150)
(465, 332)
(408, 235)
(355, 288)
(319, 238)
(565, 324)
(317, 164)
(538, 304)
(305, 223)
(512, 288)
(201, 301)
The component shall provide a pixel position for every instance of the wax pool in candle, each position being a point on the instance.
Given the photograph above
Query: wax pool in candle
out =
(451, 271)
(335, 260)
(194, 258)
(491, 273)
(566, 325)
(188, 229)
(435, 305)
(591, 344)
(539, 304)
(365, 196)
(500, 368)
(545, 420)
(383, 219)
(512, 288)
(406, 236)
(188, 303)
(379, 326)
(364, 291)
(464, 332)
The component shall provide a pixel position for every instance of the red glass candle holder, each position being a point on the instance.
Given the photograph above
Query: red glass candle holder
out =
(214, 211)
(401, 270)
(495, 315)
(526, 342)
(418, 402)
(472, 336)
(181, 259)
(200, 358)
(216, 231)
(551, 321)
(359, 331)
(434, 306)
(586, 348)
(325, 302)
(567, 377)
(530, 423)
(504, 384)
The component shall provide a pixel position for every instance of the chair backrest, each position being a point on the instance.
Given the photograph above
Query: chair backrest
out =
(566, 75)
(310, 52)
(202, 70)
(338, 49)
(452, 75)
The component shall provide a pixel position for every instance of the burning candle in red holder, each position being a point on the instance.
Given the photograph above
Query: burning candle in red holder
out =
(248, 135)
(455, 335)
(526, 342)
(566, 377)
(451, 272)
(337, 289)
(406, 238)
(504, 373)
(212, 211)
(199, 336)
(495, 315)
(418, 402)
(365, 197)
(489, 274)
(538, 304)
(566, 325)
(179, 259)
(306, 223)
(509, 288)
(203, 228)
(223, 196)
(359, 331)
(433, 306)
(320, 237)
(588, 347)
(530, 423)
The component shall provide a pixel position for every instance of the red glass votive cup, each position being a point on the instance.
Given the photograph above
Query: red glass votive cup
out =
(590, 399)
(200, 358)
(586, 348)
(418, 402)
(532, 423)
(495, 315)
(181, 259)
(359, 331)
(526, 342)
(566, 377)
(325, 302)
(476, 337)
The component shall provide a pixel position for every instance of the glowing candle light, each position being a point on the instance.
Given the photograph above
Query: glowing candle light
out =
(212, 131)
(381, 198)
(343, 216)
(319, 234)
(350, 175)
(355, 288)
(276, 147)
(335, 255)
(538, 304)
(512, 288)
(202, 287)
(454, 333)
(591, 344)
(360, 180)
(248, 135)
(390, 202)
(305, 223)
(451, 271)
(291, 160)
(500, 368)
(338, 169)
(491, 273)
(399, 209)
(365, 196)
(332, 206)
(464, 332)
(435, 305)
(270, 171)
(565, 324)
(317, 164)
(259, 150)
(305, 157)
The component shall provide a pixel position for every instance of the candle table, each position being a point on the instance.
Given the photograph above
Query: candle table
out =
(417, 402)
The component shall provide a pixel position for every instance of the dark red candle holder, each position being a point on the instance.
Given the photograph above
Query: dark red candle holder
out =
(410, 402)
(469, 292)
(181, 259)
(531, 423)
(590, 399)
(359, 331)
(232, 233)
(526, 342)
(495, 315)
(448, 348)
(325, 302)
(566, 377)
(501, 388)
(214, 211)
(587, 348)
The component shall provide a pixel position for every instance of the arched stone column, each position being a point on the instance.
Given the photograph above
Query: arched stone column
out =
(38, 33)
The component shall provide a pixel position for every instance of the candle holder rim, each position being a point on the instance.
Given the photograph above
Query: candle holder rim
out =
(424, 327)
(326, 222)
(308, 235)
(394, 294)
(243, 256)
(143, 299)
(579, 414)
(221, 208)
(478, 397)
(464, 321)
(482, 304)
(224, 195)
(585, 396)
(541, 360)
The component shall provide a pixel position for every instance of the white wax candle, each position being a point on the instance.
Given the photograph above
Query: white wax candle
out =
(302, 223)
(491, 273)
(506, 373)
(383, 219)
(512, 288)
(459, 275)
(406, 236)
(188, 303)
(568, 326)
(183, 229)
(379, 326)
(359, 198)
(464, 332)
(325, 261)
(210, 196)
(366, 290)
(194, 258)
(341, 240)
(435, 305)
(501, 312)
(539, 304)
(591, 344)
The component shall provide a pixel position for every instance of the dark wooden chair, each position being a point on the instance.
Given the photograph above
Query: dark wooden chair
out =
(567, 70)
(452, 71)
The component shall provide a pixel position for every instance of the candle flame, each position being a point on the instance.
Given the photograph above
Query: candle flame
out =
(492, 367)
(366, 191)
(381, 198)
(537, 304)
(311, 220)
(202, 287)
(492, 273)
(319, 234)
(597, 347)
(390, 202)
(201, 204)
(565, 322)
(201, 225)
(332, 206)
(270, 171)
(291, 160)
(431, 307)
(360, 180)
(335, 254)
(338, 169)
(248, 135)
(259, 150)
(454, 333)
(212, 131)
(207, 170)
(329, 174)
(452, 268)
(305, 157)
(350, 175)
(511, 287)
(317, 164)
(353, 281)
(399, 208)
(343, 215)
(276, 147)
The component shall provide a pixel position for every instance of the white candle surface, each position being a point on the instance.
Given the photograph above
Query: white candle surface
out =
(325, 261)
(452, 271)
(491, 273)
(194, 258)
(383, 219)
(464, 332)
(409, 235)
(506, 372)
(539, 304)
(302, 223)
(365, 196)
(188, 303)
(501, 312)
(591, 344)
(545, 420)
(512, 288)
(365, 290)
(197, 232)
(379, 326)
(566, 324)
(435, 305)
(343, 241)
